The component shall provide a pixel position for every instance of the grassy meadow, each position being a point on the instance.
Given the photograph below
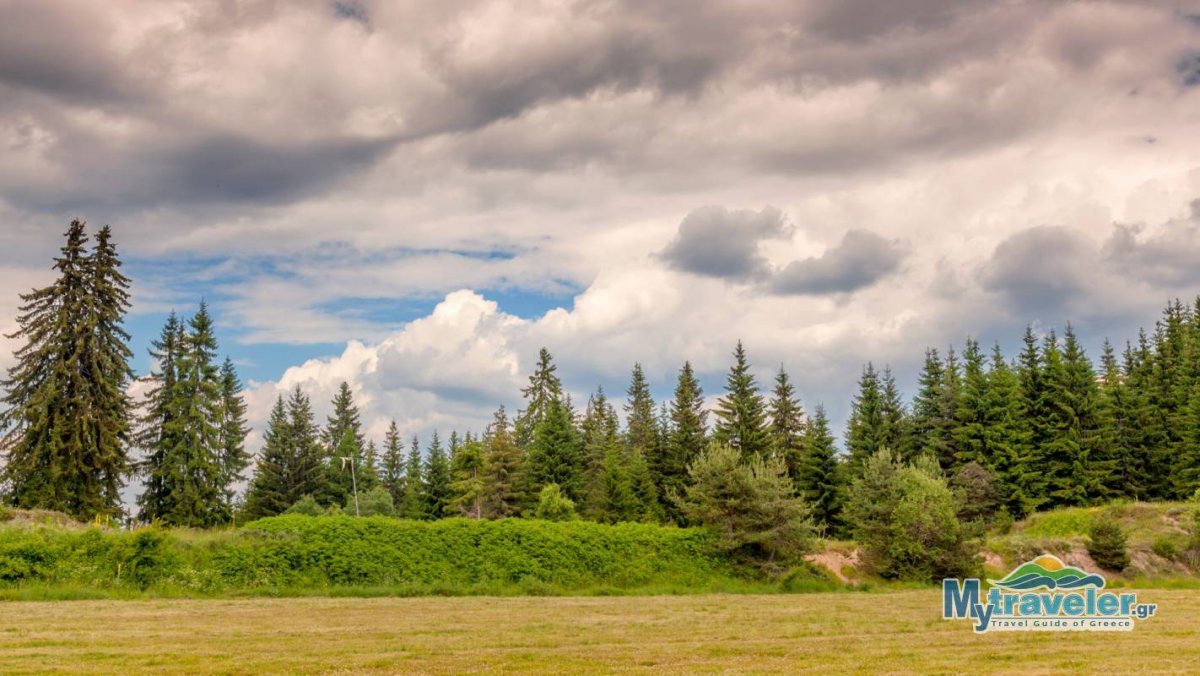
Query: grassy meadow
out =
(887, 632)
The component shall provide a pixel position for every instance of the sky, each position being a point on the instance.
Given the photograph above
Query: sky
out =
(413, 197)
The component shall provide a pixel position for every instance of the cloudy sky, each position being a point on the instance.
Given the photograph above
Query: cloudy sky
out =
(414, 196)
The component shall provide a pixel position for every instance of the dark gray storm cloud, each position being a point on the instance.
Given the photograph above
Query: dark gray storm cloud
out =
(1041, 271)
(714, 82)
(1168, 256)
(858, 261)
(715, 242)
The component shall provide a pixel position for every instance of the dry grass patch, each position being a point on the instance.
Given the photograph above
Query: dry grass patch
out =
(894, 632)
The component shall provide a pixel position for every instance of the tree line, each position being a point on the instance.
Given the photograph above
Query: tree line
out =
(1043, 429)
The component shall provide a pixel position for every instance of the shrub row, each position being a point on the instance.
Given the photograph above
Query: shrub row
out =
(300, 553)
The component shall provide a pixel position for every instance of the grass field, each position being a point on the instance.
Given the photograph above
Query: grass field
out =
(887, 632)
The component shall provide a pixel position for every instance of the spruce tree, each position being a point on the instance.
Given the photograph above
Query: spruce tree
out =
(741, 413)
(392, 469)
(925, 427)
(344, 443)
(787, 424)
(616, 501)
(1006, 437)
(502, 470)
(467, 485)
(292, 463)
(641, 426)
(687, 438)
(819, 478)
(437, 491)
(970, 433)
(232, 431)
(193, 471)
(894, 421)
(948, 402)
(544, 387)
(554, 454)
(66, 417)
(272, 490)
(413, 506)
(865, 428)
(158, 428)
(600, 434)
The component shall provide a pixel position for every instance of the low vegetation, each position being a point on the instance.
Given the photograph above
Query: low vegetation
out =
(298, 554)
(817, 633)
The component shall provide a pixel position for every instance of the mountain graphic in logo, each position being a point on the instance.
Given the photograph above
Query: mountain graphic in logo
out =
(1048, 572)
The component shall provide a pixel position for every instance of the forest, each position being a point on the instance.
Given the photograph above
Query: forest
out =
(986, 439)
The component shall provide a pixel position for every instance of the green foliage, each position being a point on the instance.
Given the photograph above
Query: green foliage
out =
(741, 413)
(864, 435)
(503, 471)
(306, 506)
(294, 554)
(553, 505)
(413, 506)
(1107, 544)
(750, 504)
(1166, 547)
(787, 424)
(376, 501)
(819, 479)
(544, 387)
(554, 455)
(292, 463)
(686, 437)
(437, 490)
(66, 415)
(905, 518)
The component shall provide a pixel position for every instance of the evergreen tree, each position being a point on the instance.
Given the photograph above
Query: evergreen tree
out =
(502, 469)
(865, 429)
(641, 426)
(272, 491)
(926, 428)
(819, 477)
(599, 433)
(894, 421)
(193, 473)
(948, 402)
(787, 424)
(392, 474)
(686, 440)
(66, 417)
(971, 431)
(232, 432)
(344, 441)
(616, 501)
(437, 491)
(1006, 437)
(158, 428)
(741, 413)
(1076, 466)
(413, 506)
(467, 487)
(554, 454)
(292, 462)
(544, 387)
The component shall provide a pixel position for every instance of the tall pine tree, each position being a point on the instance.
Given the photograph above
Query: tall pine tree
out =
(741, 413)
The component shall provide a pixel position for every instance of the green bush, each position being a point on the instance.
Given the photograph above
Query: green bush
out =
(1107, 544)
(302, 554)
(1165, 547)
(905, 517)
(554, 506)
(307, 505)
(375, 502)
(5, 514)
